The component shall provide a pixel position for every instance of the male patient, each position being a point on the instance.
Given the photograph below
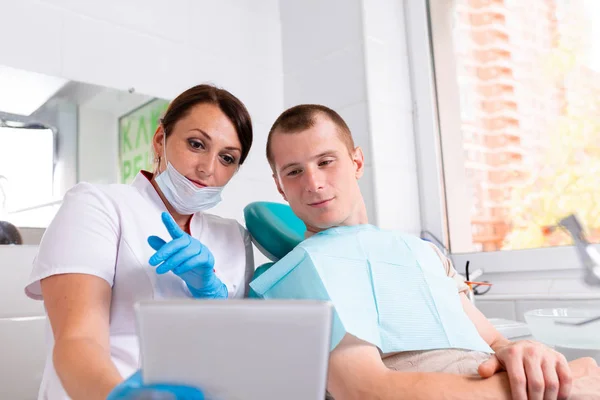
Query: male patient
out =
(316, 167)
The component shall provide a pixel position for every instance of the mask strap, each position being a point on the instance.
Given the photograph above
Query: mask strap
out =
(164, 145)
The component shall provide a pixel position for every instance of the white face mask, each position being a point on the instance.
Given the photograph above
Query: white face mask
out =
(185, 197)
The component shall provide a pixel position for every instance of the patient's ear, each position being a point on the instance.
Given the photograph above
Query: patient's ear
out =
(279, 187)
(359, 162)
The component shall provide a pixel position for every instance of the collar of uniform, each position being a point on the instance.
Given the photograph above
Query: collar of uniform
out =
(142, 182)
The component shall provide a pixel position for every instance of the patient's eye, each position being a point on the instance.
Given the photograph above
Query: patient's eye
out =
(293, 172)
(325, 162)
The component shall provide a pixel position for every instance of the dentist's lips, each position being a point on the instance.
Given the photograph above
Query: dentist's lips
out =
(322, 203)
(197, 183)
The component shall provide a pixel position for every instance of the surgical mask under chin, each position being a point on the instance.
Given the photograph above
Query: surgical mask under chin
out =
(185, 197)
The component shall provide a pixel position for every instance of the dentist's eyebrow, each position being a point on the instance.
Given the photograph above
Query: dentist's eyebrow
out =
(206, 135)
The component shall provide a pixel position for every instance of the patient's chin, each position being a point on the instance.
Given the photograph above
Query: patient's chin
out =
(324, 218)
(326, 222)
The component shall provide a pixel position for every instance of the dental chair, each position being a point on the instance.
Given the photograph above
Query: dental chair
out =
(275, 231)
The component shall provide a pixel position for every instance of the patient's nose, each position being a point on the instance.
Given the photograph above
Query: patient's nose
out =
(313, 180)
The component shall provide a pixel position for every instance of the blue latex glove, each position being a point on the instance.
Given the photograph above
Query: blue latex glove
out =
(187, 258)
(133, 388)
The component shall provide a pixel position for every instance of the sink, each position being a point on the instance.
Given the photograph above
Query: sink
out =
(572, 340)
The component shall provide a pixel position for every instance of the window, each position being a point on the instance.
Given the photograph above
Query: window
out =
(26, 175)
(527, 123)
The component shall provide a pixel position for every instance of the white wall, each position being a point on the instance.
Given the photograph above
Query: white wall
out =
(323, 63)
(350, 55)
(347, 54)
(159, 49)
(98, 146)
(391, 116)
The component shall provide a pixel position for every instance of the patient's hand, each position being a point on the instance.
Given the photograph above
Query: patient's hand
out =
(583, 367)
(535, 371)
(586, 379)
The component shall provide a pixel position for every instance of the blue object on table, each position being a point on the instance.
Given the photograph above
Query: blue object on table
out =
(133, 388)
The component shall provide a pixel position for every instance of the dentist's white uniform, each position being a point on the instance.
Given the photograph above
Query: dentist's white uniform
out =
(101, 230)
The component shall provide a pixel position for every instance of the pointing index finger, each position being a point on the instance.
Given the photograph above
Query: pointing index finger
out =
(174, 229)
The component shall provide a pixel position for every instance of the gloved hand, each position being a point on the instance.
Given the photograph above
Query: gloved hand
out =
(133, 388)
(187, 258)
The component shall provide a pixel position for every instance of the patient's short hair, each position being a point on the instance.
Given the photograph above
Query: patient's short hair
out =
(304, 116)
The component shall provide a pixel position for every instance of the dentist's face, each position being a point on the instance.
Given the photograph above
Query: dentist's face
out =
(203, 146)
(318, 175)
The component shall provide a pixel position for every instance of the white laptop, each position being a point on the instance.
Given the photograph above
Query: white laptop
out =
(237, 349)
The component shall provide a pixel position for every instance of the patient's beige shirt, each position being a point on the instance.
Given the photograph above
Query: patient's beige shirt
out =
(450, 271)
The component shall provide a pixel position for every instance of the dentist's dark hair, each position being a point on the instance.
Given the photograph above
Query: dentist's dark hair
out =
(231, 106)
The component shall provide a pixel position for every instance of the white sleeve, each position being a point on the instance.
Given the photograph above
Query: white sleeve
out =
(82, 238)
(249, 272)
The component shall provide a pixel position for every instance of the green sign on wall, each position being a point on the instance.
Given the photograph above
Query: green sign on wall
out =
(136, 130)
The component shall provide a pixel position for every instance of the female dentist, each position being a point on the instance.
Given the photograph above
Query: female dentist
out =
(104, 250)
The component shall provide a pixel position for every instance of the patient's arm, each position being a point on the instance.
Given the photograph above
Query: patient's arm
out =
(486, 329)
(356, 371)
(534, 370)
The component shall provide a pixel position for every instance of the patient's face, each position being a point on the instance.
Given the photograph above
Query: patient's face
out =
(318, 177)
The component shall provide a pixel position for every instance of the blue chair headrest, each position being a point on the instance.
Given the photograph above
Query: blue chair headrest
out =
(274, 228)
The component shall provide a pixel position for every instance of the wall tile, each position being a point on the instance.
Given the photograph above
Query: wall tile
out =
(572, 285)
(242, 191)
(313, 29)
(357, 119)
(336, 81)
(242, 37)
(256, 165)
(367, 188)
(496, 309)
(384, 20)
(392, 136)
(388, 78)
(508, 285)
(397, 197)
(31, 37)
(269, 8)
(261, 91)
(152, 17)
(105, 54)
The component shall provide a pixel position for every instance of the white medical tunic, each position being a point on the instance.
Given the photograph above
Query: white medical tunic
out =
(102, 230)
